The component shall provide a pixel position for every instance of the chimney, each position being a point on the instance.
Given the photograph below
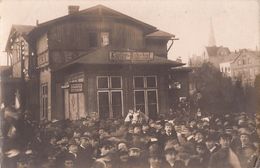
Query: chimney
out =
(73, 9)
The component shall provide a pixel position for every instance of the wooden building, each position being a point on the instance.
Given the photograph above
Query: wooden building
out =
(21, 83)
(99, 60)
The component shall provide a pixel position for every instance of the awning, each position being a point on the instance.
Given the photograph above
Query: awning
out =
(10, 80)
(160, 35)
(106, 56)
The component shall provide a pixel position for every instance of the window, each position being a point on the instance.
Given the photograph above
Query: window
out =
(110, 96)
(139, 82)
(44, 101)
(145, 95)
(239, 62)
(116, 82)
(103, 82)
(104, 39)
(109, 82)
(93, 39)
(251, 73)
(151, 82)
(249, 61)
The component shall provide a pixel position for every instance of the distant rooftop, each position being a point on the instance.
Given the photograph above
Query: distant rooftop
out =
(23, 29)
(213, 50)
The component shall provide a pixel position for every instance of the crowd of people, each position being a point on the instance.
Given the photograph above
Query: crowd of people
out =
(175, 140)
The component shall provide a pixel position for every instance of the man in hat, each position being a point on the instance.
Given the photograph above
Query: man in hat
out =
(153, 157)
(246, 149)
(225, 157)
(68, 162)
(123, 161)
(85, 154)
(203, 155)
(170, 134)
(199, 137)
(171, 159)
(211, 143)
(154, 161)
(135, 158)
(23, 163)
(50, 161)
(71, 153)
(146, 131)
(50, 146)
(244, 136)
(122, 146)
(10, 158)
(106, 155)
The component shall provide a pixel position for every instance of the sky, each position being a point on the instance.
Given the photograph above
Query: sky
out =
(236, 23)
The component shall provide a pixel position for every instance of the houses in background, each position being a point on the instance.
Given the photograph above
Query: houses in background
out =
(212, 54)
(243, 65)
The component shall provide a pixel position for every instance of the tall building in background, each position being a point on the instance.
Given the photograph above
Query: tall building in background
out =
(212, 41)
(211, 53)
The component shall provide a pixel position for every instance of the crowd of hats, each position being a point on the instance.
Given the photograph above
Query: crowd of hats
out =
(51, 138)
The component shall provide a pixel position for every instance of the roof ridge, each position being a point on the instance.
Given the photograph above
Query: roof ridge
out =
(23, 25)
(99, 6)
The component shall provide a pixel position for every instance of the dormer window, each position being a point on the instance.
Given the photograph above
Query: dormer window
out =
(92, 39)
(104, 39)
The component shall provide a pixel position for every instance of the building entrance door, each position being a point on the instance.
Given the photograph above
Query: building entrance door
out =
(74, 105)
(74, 102)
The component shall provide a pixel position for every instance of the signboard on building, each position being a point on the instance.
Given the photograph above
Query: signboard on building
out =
(76, 87)
(43, 59)
(130, 56)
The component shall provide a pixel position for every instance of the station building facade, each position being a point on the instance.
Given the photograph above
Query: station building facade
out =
(98, 60)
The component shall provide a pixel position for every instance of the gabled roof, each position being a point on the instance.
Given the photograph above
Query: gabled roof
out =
(214, 50)
(233, 56)
(23, 29)
(95, 11)
(101, 57)
(19, 30)
(230, 57)
(160, 35)
(248, 53)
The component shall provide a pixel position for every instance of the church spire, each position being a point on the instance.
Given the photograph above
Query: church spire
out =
(212, 41)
